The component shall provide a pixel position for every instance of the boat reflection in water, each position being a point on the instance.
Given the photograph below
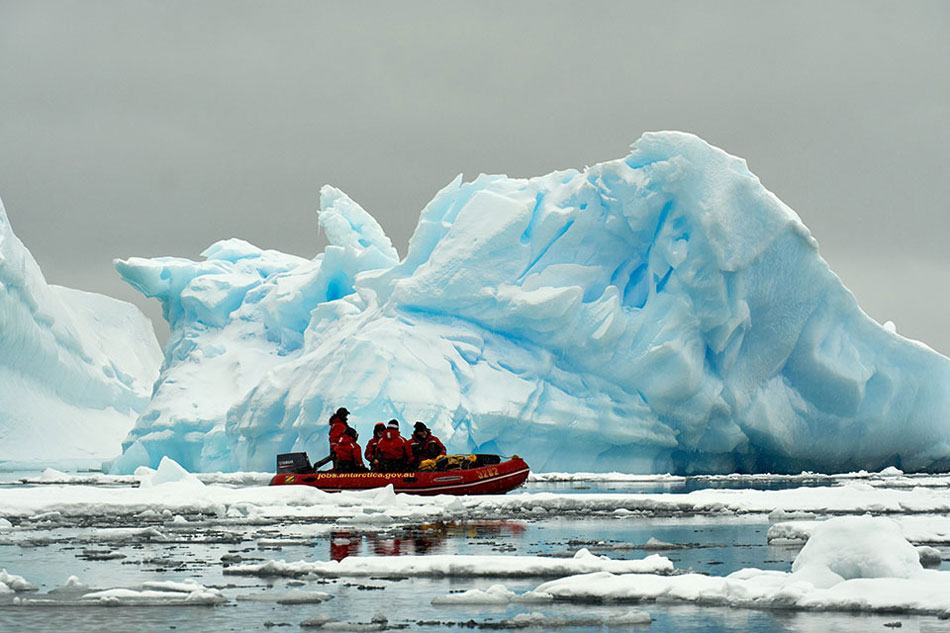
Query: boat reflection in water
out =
(428, 538)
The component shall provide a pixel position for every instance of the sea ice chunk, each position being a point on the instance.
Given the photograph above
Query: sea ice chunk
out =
(848, 564)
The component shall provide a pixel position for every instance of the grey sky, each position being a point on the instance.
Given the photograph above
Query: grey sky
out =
(156, 128)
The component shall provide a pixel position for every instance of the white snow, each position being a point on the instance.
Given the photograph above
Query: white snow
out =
(174, 492)
(169, 471)
(494, 595)
(293, 596)
(163, 593)
(457, 566)
(916, 529)
(191, 594)
(849, 564)
(540, 621)
(13, 582)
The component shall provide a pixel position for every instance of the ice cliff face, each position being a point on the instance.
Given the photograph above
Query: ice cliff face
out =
(76, 368)
(663, 312)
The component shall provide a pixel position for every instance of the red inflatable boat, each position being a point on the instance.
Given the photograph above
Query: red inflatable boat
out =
(496, 478)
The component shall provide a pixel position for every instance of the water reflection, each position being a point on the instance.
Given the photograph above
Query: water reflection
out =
(679, 486)
(428, 538)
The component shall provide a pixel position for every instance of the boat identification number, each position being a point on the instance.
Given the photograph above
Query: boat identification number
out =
(488, 472)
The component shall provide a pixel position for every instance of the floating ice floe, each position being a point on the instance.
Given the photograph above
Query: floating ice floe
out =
(174, 492)
(169, 472)
(848, 564)
(327, 623)
(889, 477)
(458, 566)
(13, 583)
(187, 592)
(543, 622)
(494, 595)
(162, 593)
(293, 596)
(51, 476)
(916, 529)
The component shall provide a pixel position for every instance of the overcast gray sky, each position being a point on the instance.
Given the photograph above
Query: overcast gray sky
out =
(156, 128)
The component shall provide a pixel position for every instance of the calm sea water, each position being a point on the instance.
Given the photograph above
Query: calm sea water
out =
(714, 545)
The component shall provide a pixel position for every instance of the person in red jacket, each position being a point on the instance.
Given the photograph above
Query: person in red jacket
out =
(338, 424)
(370, 453)
(393, 454)
(424, 445)
(346, 453)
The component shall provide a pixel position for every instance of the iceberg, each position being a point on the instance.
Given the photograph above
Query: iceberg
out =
(659, 313)
(76, 368)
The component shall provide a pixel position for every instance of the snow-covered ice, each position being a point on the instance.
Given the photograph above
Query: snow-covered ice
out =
(223, 541)
(76, 368)
(293, 596)
(663, 312)
(459, 566)
(916, 529)
(13, 583)
(494, 595)
(172, 491)
(540, 621)
(848, 564)
(156, 593)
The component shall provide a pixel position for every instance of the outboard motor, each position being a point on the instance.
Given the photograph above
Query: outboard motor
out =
(297, 463)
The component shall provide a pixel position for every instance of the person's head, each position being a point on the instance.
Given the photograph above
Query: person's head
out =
(421, 429)
(342, 413)
(378, 429)
(351, 432)
(393, 424)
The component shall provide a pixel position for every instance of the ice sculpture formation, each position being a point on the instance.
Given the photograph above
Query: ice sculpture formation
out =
(659, 313)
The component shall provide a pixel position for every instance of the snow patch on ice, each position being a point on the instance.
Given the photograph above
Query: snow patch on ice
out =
(844, 548)
(169, 472)
(456, 566)
(849, 564)
(916, 529)
(14, 582)
(494, 595)
(193, 595)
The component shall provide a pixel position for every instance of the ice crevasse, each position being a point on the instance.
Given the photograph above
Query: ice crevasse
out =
(663, 312)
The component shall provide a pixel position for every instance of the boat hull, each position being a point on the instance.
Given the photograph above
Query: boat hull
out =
(484, 480)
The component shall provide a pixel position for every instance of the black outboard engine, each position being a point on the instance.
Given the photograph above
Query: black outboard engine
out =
(297, 463)
(483, 459)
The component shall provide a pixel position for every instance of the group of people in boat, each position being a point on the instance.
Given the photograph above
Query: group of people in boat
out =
(386, 452)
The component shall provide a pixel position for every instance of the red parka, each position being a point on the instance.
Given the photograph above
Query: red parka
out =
(392, 446)
(370, 453)
(347, 450)
(337, 426)
(426, 447)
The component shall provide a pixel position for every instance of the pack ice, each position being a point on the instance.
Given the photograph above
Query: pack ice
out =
(76, 368)
(662, 312)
